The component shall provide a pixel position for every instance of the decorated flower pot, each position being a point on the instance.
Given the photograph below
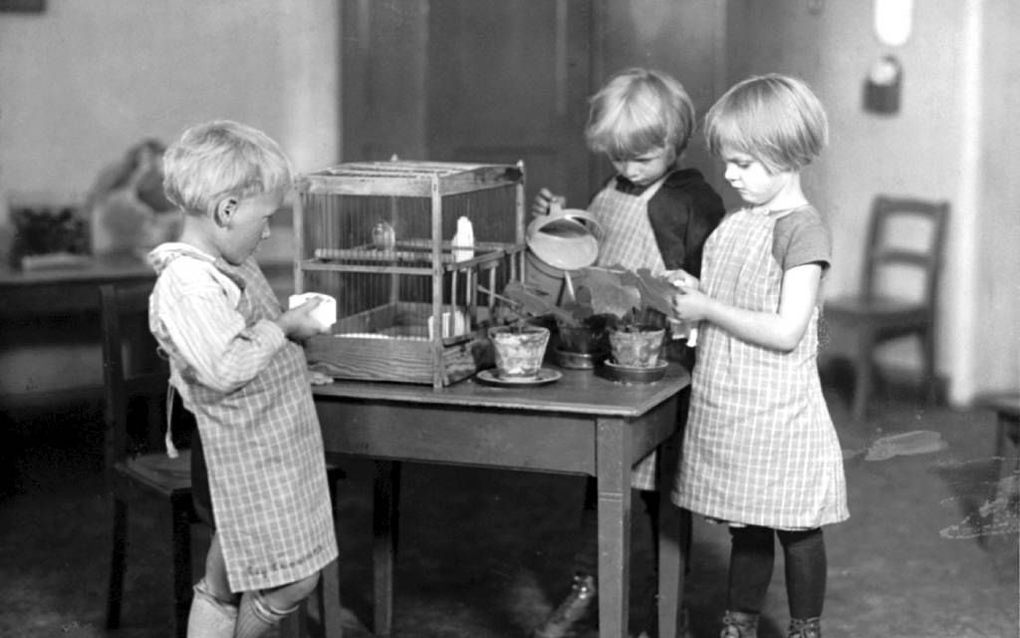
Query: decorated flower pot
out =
(519, 350)
(636, 347)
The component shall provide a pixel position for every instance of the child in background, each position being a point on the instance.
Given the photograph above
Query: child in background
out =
(653, 214)
(235, 364)
(760, 450)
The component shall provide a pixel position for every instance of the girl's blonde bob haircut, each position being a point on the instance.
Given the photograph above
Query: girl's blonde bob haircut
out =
(774, 118)
(637, 111)
(222, 159)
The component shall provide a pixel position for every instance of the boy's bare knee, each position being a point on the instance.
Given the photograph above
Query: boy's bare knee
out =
(306, 586)
(288, 596)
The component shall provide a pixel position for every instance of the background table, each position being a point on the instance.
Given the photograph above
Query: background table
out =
(579, 424)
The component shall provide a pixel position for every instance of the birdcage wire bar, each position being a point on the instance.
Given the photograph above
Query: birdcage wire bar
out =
(378, 237)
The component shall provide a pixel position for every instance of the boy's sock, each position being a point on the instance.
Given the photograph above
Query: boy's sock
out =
(211, 617)
(257, 617)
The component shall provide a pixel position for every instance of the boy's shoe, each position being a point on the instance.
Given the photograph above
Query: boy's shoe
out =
(572, 609)
(805, 628)
(737, 624)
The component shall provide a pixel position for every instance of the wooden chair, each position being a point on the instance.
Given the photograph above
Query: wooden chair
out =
(879, 314)
(137, 466)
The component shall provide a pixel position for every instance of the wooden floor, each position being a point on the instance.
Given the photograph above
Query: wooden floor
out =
(928, 551)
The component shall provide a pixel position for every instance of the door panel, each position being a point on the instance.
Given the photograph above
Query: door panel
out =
(508, 80)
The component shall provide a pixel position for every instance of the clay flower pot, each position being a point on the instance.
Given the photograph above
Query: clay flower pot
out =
(519, 350)
(581, 346)
(637, 348)
(582, 339)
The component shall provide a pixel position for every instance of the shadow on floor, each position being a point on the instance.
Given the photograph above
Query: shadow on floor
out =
(928, 552)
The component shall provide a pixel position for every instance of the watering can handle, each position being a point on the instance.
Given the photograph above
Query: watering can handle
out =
(556, 211)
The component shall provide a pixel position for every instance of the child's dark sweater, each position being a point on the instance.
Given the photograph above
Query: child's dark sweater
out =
(683, 214)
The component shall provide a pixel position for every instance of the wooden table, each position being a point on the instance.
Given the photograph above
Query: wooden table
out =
(580, 424)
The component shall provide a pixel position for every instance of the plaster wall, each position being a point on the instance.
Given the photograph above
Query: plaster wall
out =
(83, 81)
(950, 139)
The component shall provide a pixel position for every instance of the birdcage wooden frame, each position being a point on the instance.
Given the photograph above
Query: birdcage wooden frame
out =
(364, 345)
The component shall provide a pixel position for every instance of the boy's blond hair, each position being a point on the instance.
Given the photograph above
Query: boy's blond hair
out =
(637, 111)
(220, 159)
(774, 118)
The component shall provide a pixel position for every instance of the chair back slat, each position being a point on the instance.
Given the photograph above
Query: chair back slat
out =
(134, 375)
(927, 259)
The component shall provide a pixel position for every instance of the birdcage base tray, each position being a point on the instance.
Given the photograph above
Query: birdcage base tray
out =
(405, 360)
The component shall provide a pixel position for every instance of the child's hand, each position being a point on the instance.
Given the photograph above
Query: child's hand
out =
(544, 199)
(682, 279)
(298, 324)
(690, 304)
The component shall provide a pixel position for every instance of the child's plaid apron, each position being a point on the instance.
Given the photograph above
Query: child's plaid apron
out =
(760, 447)
(626, 239)
(266, 463)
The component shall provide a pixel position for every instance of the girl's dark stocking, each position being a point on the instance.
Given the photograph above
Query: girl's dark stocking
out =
(806, 568)
(752, 556)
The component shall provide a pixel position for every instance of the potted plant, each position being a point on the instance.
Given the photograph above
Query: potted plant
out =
(518, 337)
(637, 304)
(581, 333)
(612, 309)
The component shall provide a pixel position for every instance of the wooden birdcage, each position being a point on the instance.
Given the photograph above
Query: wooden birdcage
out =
(411, 305)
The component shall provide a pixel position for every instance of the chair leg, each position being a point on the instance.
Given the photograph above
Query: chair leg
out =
(385, 533)
(930, 373)
(329, 601)
(181, 543)
(115, 586)
(864, 374)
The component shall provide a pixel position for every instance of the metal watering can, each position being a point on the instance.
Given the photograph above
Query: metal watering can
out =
(564, 239)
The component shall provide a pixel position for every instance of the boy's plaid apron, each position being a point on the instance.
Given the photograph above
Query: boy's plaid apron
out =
(266, 463)
(760, 447)
(626, 239)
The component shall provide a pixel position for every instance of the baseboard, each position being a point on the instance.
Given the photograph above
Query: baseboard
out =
(892, 381)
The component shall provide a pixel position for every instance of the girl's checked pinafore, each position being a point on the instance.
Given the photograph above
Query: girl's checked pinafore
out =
(760, 447)
(626, 239)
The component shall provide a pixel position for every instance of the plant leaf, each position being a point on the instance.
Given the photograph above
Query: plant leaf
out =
(609, 294)
(530, 301)
(656, 292)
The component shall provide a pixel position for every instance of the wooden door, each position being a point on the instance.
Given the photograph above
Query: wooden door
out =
(509, 80)
(503, 80)
(477, 81)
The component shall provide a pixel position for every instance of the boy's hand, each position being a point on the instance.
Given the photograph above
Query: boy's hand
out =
(298, 324)
(544, 199)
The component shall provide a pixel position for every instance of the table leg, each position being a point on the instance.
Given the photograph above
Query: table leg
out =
(613, 467)
(673, 541)
(385, 525)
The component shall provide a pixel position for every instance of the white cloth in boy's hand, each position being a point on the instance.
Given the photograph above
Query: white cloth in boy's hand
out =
(324, 313)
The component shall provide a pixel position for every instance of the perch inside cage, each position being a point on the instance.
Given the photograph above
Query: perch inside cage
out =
(389, 240)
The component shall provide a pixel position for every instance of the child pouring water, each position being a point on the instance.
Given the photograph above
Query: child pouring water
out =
(652, 214)
(760, 451)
